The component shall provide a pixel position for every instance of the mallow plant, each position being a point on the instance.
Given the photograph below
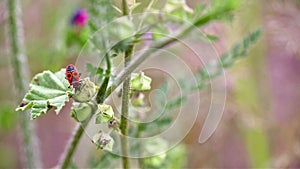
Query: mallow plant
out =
(130, 32)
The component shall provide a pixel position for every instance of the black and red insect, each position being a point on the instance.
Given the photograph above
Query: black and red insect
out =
(73, 76)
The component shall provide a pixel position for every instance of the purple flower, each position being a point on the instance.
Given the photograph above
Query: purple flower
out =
(147, 38)
(80, 17)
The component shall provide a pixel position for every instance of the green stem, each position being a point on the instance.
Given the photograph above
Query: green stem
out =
(125, 100)
(124, 111)
(124, 7)
(21, 76)
(102, 90)
(73, 143)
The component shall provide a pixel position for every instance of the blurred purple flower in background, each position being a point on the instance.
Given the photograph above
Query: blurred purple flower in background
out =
(147, 38)
(80, 17)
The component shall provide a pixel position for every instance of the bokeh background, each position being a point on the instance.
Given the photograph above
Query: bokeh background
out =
(260, 126)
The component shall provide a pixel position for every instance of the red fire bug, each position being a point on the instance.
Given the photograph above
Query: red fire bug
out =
(73, 76)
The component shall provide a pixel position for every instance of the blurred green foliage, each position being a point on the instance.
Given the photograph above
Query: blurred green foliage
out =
(7, 157)
(8, 118)
(176, 158)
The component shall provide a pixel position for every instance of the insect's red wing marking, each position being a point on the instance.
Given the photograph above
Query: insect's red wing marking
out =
(69, 77)
(73, 76)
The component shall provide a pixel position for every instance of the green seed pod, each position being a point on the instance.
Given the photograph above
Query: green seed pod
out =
(105, 113)
(140, 82)
(86, 92)
(103, 141)
(81, 111)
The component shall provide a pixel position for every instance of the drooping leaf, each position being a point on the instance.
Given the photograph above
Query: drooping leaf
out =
(47, 90)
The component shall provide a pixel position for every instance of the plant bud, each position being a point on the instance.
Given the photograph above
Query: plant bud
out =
(86, 91)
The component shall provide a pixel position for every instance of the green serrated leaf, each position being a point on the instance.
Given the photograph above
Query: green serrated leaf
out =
(47, 90)
(105, 114)
(140, 82)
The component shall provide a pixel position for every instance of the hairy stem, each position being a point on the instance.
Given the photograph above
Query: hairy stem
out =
(21, 75)
(65, 161)
(124, 111)
(125, 100)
